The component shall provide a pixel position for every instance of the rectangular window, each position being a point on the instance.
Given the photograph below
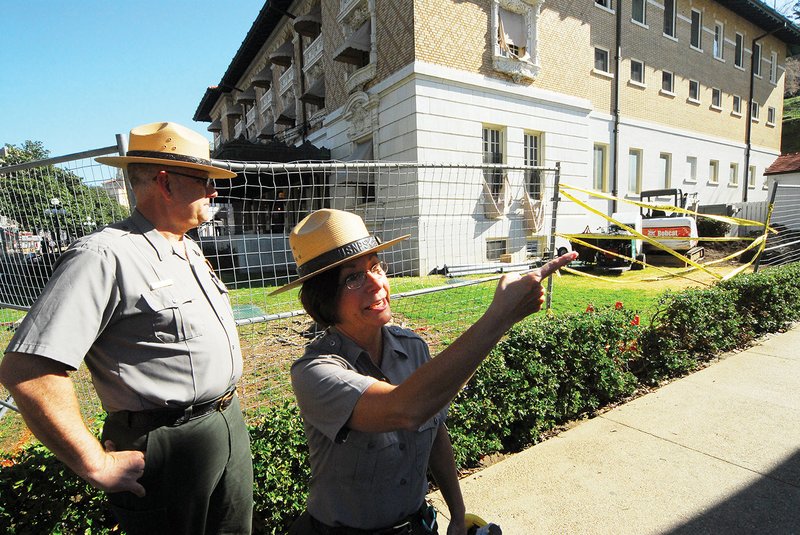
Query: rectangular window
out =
(738, 51)
(601, 60)
(773, 68)
(495, 248)
(694, 90)
(511, 34)
(737, 105)
(637, 71)
(667, 82)
(751, 177)
(665, 169)
(600, 167)
(733, 178)
(757, 60)
(533, 156)
(635, 171)
(638, 11)
(755, 110)
(669, 17)
(771, 116)
(691, 169)
(719, 40)
(713, 172)
(608, 4)
(697, 30)
(493, 153)
(716, 98)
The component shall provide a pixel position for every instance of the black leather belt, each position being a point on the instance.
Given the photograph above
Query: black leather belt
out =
(422, 521)
(176, 417)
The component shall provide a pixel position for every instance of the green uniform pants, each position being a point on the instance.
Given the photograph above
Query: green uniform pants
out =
(198, 476)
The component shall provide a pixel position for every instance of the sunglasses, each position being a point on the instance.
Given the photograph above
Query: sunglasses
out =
(207, 183)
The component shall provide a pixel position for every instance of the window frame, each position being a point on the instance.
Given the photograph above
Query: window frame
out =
(671, 90)
(605, 4)
(757, 60)
(603, 182)
(641, 65)
(771, 115)
(733, 174)
(694, 99)
(673, 23)
(751, 177)
(716, 98)
(519, 68)
(637, 178)
(696, 32)
(534, 155)
(755, 111)
(713, 171)
(719, 41)
(607, 53)
(495, 241)
(493, 177)
(691, 162)
(643, 4)
(738, 51)
(666, 175)
(773, 68)
(736, 107)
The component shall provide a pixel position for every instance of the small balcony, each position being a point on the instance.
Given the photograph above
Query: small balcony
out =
(312, 54)
(265, 102)
(285, 81)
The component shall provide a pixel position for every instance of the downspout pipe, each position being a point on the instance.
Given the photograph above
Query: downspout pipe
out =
(614, 164)
(748, 127)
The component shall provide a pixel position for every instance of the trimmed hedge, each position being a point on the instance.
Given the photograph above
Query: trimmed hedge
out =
(547, 371)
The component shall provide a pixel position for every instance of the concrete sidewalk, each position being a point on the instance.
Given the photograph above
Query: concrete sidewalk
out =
(714, 452)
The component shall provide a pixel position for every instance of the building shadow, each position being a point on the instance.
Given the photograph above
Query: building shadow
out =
(769, 505)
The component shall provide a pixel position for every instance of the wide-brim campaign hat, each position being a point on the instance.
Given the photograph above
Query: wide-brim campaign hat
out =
(167, 144)
(328, 238)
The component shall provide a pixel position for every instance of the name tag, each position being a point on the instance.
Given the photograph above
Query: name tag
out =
(160, 284)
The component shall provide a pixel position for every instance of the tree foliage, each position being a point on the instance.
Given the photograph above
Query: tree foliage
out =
(51, 197)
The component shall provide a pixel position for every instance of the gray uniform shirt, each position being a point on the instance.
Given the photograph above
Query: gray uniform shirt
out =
(361, 480)
(152, 321)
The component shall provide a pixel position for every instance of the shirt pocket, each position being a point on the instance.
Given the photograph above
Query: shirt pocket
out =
(423, 443)
(369, 457)
(172, 316)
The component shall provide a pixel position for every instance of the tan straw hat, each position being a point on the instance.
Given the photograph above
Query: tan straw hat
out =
(168, 144)
(326, 238)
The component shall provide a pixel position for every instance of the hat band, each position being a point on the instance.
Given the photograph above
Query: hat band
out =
(340, 253)
(167, 156)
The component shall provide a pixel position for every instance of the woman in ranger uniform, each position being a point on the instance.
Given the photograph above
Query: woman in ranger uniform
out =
(373, 401)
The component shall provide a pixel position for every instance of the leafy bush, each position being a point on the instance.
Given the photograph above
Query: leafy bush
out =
(280, 467)
(711, 228)
(41, 495)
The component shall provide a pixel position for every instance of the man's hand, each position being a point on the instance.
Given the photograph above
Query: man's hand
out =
(457, 526)
(119, 471)
(518, 296)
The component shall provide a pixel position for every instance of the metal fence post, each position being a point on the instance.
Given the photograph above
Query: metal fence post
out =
(770, 203)
(557, 179)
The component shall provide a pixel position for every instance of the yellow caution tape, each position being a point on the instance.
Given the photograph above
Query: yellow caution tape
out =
(759, 241)
(666, 208)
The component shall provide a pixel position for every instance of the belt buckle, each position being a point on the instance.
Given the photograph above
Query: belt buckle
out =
(225, 400)
(399, 529)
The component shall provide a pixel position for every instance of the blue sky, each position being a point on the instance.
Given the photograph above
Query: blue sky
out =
(73, 73)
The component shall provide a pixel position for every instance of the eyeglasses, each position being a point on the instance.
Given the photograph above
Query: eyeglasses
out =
(354, 281)
(207, 183)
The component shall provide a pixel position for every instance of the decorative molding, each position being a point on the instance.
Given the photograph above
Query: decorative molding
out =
(526, 68)
(361, 113)
(356, 81)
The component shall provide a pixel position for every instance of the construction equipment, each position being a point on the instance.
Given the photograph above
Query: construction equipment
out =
(617, 252)
(673, 230)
